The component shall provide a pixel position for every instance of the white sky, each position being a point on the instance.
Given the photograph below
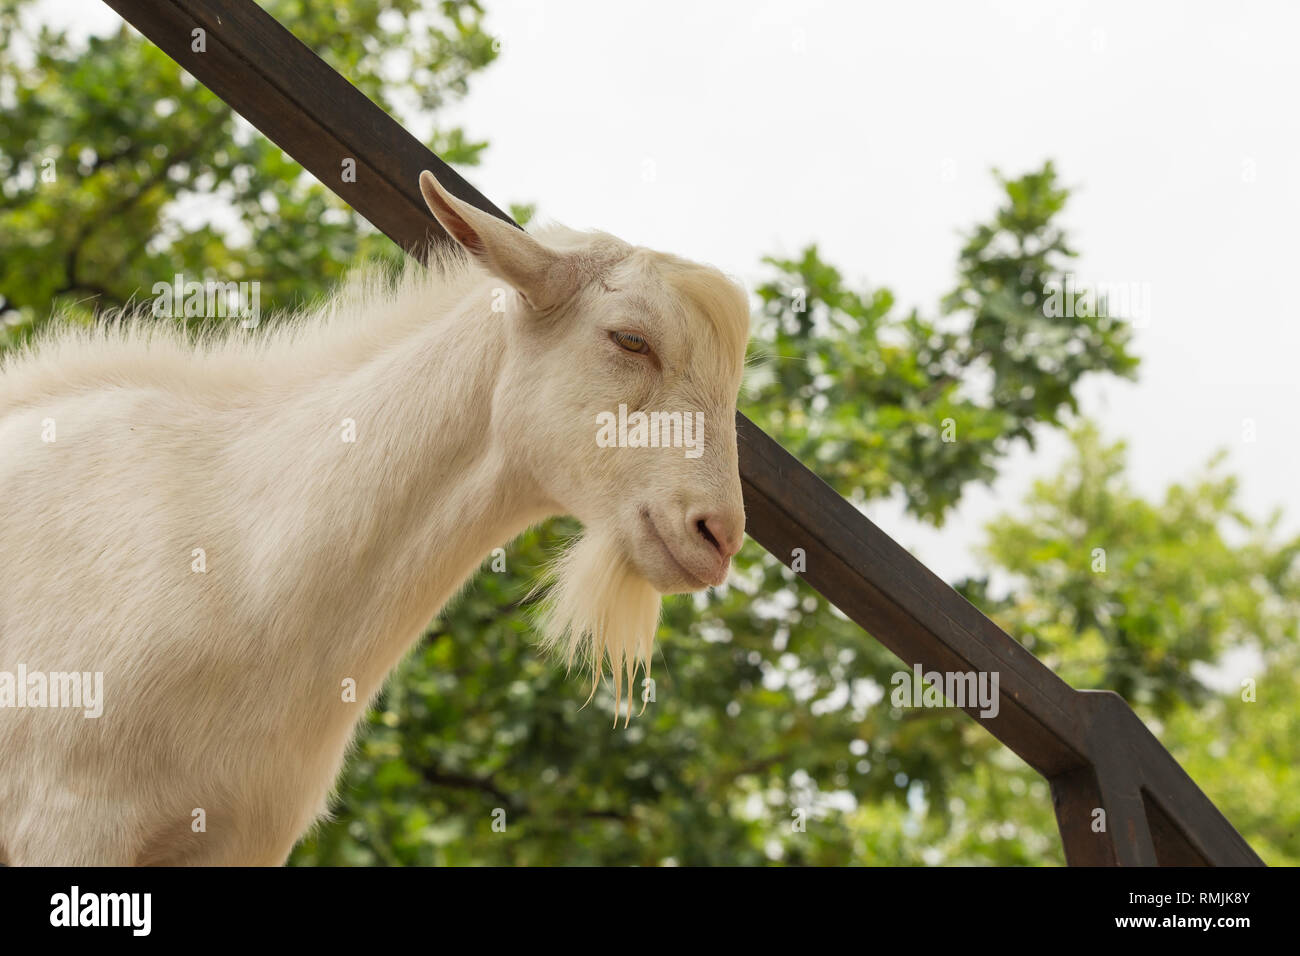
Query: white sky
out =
(870, 128)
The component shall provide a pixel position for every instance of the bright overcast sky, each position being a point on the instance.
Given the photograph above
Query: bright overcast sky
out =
(725, 131)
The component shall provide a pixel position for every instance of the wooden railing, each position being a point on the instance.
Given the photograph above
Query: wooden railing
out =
(1091, 747)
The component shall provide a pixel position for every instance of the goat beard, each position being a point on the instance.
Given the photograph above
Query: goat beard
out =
(598, 608)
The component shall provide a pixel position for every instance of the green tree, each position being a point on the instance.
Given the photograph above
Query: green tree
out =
(1146, 598)
(877, 403)
(104, 144)
(1139, 596)
(1245, 754)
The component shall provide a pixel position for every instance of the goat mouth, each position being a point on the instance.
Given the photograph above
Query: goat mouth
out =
(686, 572)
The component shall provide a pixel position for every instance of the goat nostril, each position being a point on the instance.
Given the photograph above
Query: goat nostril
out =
(718, 532)
(702, 526)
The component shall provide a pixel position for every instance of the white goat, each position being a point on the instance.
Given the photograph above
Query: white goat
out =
(237, 531)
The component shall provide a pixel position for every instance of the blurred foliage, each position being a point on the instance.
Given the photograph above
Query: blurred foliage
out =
(1245, 755)
(1144, 598)
(770, 736)
(1136, 596)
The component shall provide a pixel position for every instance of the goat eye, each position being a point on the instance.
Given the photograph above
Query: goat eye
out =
(631, 342)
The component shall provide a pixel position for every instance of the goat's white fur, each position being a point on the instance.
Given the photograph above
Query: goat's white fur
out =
(325, 559)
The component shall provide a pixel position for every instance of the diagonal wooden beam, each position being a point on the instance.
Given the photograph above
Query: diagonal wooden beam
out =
(1092, 747)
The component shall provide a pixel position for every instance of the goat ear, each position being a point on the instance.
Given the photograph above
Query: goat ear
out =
(503, 249)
